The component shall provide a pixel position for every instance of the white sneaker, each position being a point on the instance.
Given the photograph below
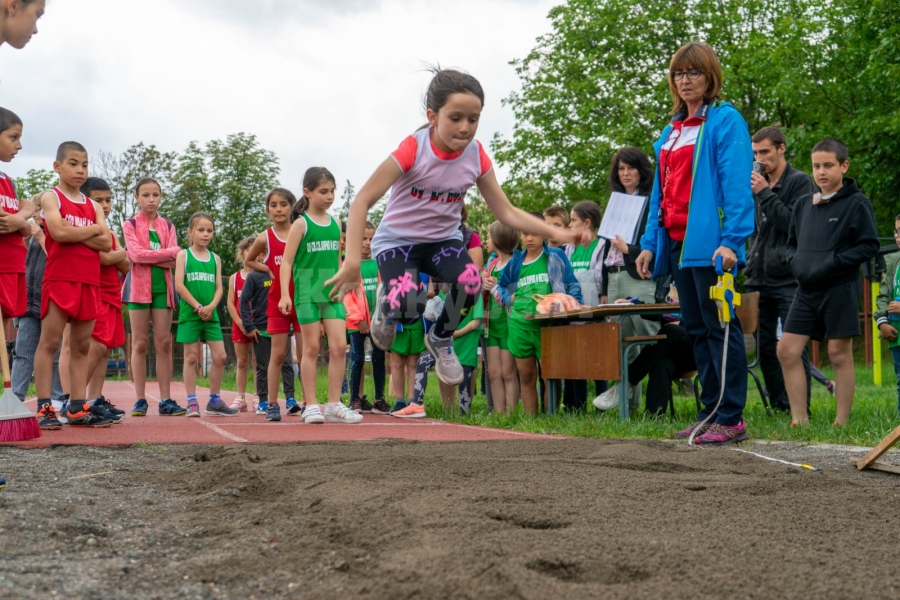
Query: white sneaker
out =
(446, 363)
(382, 330)
(313, 415)
(608, 399)
(338, 413)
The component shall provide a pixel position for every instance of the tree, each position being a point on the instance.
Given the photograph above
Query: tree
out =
(122, 173)
(34, 182)
(597, 82)
(229, 180)
(347, 197)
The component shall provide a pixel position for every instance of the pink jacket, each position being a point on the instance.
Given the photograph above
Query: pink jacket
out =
(138, 284)
(357, 308)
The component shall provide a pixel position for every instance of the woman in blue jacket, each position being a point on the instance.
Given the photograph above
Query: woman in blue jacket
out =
(703, 208)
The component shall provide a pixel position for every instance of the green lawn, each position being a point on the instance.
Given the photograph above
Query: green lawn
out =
(874, 414)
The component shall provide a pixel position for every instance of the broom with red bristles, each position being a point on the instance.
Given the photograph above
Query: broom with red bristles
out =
(17, 423)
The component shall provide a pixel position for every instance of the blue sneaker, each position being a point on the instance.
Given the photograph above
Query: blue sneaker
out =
(220, 409)
(291, 406)
(101, 410)
(273, 412)
(2, 483)
(262, 407)
(140, 408)
(169, 408)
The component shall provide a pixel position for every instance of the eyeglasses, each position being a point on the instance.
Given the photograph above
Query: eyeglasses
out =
(692, 74)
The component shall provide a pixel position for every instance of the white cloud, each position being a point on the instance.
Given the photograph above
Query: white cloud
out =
(338, 86)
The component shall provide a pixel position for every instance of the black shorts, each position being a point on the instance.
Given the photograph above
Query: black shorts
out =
(833, 312)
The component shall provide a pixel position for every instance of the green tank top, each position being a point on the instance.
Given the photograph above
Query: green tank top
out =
(317, 261)
(200, 280)
(369, 270)
(498, 321)
(466, 346)
(157, 274)
(581, 256)
(533, 279)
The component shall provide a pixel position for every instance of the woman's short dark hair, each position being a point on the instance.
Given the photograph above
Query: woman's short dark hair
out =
(635, 158)
(503, 237)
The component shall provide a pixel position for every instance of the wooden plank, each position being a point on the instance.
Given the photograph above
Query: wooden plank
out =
(882, 447)
(588, 351)
(643, 338)
(596, 313)
(880, 466)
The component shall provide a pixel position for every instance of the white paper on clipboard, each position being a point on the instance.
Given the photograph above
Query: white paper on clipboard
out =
(623, 217)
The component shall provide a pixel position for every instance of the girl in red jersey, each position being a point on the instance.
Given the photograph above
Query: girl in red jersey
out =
(13, 225)
(238, 334)
(149, 291)
(270, 246)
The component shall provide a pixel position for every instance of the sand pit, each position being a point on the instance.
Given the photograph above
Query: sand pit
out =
(390, 519)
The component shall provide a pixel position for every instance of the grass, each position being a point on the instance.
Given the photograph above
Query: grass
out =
(874, 414)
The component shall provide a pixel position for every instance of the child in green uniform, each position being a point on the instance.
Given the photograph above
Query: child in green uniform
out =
(311, 257)
(539, 269)
(887, 311)
(198, 281)
(500, 363)
(408, 344)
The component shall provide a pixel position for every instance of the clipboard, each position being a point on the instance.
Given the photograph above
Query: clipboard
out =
(622, 217)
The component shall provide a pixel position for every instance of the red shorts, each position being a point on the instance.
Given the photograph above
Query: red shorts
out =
(78, 301)
(109, 329)
(237, 336)
(13, 295)
(282, 324)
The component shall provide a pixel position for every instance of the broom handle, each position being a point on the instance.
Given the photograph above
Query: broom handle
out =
(7, 382)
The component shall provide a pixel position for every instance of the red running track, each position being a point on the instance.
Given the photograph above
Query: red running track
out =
(250, 428)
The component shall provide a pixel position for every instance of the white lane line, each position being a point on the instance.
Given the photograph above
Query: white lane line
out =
(223, 433)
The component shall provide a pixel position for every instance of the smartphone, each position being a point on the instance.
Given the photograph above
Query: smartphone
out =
(759, 167)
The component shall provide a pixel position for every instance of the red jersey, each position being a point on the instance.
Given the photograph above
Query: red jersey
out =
(273, 260)
(73, 262)
(12, 247)
(676, 159)
(239, 281)
(110, 287)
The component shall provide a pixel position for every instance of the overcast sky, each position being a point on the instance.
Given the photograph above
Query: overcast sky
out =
(337, 83)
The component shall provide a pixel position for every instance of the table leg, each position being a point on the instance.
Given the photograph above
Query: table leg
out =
(624, 395)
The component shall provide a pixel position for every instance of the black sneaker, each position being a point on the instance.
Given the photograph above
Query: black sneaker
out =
(170, 408)
(355, 404)
(101, 411)
(273, 412)
(82, 414)
(46, 418)
(381, 407)
(365, 406)
(109, 406)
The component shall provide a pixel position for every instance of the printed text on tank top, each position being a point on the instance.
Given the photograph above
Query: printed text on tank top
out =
(199, 276)
(8, 201)
(321, 245)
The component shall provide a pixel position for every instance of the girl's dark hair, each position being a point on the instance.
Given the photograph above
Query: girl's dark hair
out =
(503, 237)
(243, 246)
(447, 82)
(588, 210)
(284, 193)
(311, 180)
(8, 119)
(144, 181)
(635, 158)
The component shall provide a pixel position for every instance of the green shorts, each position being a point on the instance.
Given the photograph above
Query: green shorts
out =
(524, 343)
(314, 312)
(409, 342)
(492, 341)
(160, 300)
(193, 331)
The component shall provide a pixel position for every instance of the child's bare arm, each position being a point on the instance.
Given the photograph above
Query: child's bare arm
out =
(179, 281)
(260, 245)
(103, 240)
(61, 230)
(298, 230)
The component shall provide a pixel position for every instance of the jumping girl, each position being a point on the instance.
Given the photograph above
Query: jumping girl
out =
(152, 245)
(238, 334)
(311, 257)
(270, 245)
(429, 175)
(198, 280)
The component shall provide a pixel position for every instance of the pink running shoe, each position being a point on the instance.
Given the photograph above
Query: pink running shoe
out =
(412, 411)
(719, 435)
(240, 404)
(686, 433)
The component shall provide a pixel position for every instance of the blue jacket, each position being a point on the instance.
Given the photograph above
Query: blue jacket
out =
(562, 278)
(721, 207)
